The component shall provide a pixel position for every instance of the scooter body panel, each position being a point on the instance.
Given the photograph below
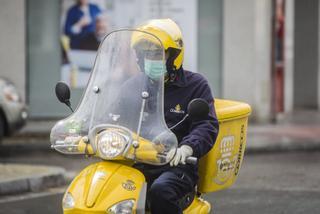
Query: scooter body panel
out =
(101, 185)
(198, 206)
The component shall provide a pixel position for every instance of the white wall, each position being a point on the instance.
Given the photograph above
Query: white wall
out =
(12, 42)
(247, 55)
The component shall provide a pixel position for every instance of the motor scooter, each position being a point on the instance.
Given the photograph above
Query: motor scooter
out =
(120, 120)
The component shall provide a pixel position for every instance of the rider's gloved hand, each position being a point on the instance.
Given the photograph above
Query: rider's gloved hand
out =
(181, 155)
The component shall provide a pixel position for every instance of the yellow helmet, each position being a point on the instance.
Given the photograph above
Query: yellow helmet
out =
(170, 36)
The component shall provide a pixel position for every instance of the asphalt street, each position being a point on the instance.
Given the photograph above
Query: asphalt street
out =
(268, 183)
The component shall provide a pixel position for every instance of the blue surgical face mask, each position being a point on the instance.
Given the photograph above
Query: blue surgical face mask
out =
(154, 68)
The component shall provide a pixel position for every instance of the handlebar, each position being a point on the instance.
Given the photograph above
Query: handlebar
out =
(192, 160)
(189, 160)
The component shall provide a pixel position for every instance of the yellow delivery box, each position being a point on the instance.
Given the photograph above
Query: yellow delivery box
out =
(220, 167)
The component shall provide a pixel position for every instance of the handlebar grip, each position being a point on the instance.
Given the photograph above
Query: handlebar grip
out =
(192, 160)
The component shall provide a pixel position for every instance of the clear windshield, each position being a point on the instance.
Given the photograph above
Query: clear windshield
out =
(125, 90)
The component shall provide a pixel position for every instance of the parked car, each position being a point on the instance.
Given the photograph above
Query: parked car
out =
(13, 111)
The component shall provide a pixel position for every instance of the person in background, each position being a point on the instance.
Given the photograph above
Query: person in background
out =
(92, 40)
(80, 22)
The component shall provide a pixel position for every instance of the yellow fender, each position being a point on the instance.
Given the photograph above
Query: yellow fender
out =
(198, 206)
(101, 185)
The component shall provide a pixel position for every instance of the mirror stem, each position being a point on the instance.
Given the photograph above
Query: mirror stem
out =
(69, 105)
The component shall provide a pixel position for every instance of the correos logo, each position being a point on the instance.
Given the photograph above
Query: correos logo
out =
(226, 162)
(177, 109)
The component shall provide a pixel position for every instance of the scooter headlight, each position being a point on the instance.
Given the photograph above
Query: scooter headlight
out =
(68, 201)
(111, 143)
(123, 207)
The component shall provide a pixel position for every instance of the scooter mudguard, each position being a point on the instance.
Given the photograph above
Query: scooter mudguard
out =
(102, 185)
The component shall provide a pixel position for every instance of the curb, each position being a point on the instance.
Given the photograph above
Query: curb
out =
(44, 177)
(260, 145)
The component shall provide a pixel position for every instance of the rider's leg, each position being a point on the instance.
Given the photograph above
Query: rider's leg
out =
(168, 189)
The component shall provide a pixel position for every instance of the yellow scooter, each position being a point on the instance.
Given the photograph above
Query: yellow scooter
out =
(120, 119)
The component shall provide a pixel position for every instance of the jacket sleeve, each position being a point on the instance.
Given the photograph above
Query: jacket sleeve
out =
(70, 21)
(202, 134)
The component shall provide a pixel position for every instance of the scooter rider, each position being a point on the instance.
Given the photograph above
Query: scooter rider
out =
(168, 184)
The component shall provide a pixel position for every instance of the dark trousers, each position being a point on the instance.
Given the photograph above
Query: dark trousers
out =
(166, 186)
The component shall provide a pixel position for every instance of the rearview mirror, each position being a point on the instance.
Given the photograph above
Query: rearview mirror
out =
(63, 93)
(198, 109)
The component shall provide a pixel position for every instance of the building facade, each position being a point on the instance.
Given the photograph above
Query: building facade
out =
(237, 50)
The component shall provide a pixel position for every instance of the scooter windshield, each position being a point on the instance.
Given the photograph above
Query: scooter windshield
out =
(124, 93)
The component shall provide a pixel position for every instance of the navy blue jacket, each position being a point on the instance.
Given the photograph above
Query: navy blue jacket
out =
(201, 135)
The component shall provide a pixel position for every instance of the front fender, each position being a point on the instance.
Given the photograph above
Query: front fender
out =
(101, 185)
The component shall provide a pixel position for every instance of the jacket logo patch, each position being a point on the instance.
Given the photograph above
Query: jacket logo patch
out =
(177, 109)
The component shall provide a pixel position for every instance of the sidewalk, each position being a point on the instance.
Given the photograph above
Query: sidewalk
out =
(285, 137)
(19, 178)
(293, 132)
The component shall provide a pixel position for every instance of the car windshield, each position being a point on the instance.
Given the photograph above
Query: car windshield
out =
(125, 90)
